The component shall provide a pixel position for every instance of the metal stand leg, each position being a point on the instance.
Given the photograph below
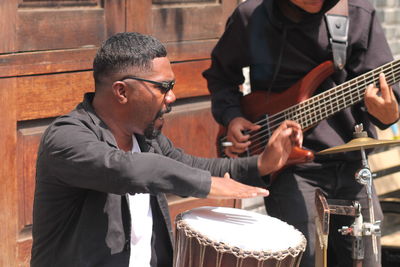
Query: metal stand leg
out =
(364, 176)
(359, 228)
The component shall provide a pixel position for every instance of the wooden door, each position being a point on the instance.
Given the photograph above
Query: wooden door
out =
(46, 53)
(189, 29)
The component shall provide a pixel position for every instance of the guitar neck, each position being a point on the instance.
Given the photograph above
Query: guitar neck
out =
(321, 106)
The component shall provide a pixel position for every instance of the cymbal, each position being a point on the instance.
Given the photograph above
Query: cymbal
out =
(357, 144)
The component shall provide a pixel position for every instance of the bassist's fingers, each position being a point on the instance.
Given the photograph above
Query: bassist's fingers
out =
(297, 137)
(230, 153)
(371, 90)
(254, 127)
(291, 123)
(385, 90)
(371, 96)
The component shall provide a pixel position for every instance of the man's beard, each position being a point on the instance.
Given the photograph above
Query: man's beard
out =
(151, 132)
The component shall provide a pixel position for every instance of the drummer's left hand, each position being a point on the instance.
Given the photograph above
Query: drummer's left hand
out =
(382, 106)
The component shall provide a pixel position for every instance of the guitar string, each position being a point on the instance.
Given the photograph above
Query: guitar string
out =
(318, 99)
(356, 94)
(323, 96)
(339, 91)
(257, 147)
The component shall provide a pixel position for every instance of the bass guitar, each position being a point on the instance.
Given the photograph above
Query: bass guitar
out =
(299, 104)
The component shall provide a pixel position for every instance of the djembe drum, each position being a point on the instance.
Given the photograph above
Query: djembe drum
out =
(228, 237)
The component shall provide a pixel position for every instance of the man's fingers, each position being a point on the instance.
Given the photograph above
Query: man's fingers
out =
(239, 137)
(371, 91)
(253, 127)
(292, 130)
(230, 154)
(293, 124)
(226, 188)
(297, 137)
(236, 149)
(240, 147)
(251, 191)
(385, 90)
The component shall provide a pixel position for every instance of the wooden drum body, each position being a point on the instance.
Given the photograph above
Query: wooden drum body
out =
(228, 237)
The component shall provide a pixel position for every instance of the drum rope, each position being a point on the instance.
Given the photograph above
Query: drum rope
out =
(221, 247)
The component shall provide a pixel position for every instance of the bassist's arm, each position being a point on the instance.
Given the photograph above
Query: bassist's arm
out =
(225, 75)
(371, 52)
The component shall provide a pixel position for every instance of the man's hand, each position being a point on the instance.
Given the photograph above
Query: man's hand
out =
(226, 188)
(279, 147)
(382, 106)
(235, 135)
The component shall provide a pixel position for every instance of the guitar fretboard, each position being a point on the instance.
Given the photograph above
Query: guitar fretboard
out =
(323, 105)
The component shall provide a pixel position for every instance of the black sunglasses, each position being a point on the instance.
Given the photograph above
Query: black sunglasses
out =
(163, 86)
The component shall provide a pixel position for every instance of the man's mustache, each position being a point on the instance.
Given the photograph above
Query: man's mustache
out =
(162, 112)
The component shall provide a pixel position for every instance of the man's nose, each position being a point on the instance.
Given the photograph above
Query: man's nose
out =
(170, 97)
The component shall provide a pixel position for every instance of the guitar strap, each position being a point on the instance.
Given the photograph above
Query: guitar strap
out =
(337, 21)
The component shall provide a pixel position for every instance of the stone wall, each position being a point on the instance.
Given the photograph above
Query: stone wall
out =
(388, 12)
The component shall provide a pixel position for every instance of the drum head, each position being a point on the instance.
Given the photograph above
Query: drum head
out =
(243, 230)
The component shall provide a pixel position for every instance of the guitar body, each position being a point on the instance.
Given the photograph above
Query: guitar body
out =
(260, 103)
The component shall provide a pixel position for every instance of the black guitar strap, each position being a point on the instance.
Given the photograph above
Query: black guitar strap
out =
(337, 21)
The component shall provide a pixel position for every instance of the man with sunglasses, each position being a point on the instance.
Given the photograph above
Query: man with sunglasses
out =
(103, 169)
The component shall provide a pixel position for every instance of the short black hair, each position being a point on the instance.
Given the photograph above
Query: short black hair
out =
(124, 50)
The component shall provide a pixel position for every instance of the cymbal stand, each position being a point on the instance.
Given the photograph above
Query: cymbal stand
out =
(359, 228)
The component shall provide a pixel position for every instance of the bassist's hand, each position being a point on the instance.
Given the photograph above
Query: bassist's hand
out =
(279, 147)
(382, 104)
(236, 136)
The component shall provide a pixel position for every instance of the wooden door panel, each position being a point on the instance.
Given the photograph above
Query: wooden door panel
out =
(59, 29)
(8, 184)
(7, 26)
(56, 3)
(51, 95)
(188, 28)
(29, 134)
(46, 62)
(189, 80)
(190, 126)
(180, 20)
(171, 24)
(28, 138)
(59, 24)
(189, 50)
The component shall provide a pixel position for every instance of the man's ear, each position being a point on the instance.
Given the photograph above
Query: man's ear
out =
(119, 90)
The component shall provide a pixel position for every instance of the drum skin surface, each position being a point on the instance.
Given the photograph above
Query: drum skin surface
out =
(229, 237)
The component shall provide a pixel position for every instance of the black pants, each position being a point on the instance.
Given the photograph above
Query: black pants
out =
(292, 200)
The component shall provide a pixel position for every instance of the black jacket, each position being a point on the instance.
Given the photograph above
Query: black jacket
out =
(280, 52)
(81, 214)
